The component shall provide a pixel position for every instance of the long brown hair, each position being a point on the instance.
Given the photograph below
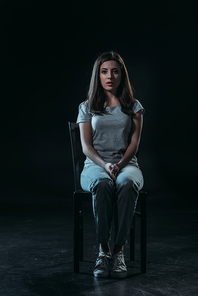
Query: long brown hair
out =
(96, 95)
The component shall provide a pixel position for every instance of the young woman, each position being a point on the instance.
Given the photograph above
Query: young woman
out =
(110, 122)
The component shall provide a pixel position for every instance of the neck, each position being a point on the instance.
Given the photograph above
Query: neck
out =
(111, 99)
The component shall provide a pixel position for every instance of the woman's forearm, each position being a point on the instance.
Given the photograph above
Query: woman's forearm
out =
(87, 144)
(129, 154)
(135, 140)
(92, 154)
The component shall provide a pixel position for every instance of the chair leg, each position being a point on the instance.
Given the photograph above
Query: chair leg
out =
(143, 232)
(76, 233)
(132, 240)
(81, 234)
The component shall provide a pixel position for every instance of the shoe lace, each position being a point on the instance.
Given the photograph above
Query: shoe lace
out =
(119, 259)
(119, 263)
(102, 261)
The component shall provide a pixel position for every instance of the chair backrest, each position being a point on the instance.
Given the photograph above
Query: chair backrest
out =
(77, 155)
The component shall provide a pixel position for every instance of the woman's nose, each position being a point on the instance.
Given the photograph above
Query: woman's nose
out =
(109, 74)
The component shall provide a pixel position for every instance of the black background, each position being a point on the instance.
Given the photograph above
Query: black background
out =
(47, 53)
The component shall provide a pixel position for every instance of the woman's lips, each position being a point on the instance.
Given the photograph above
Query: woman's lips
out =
(109, 83)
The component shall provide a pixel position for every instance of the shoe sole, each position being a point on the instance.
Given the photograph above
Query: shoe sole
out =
(118, 275)
(100, 275)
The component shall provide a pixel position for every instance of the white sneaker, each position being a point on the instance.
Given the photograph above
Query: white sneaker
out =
(118, 268)
(102, 265)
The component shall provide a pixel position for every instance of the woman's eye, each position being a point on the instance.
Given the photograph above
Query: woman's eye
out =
(105, 72)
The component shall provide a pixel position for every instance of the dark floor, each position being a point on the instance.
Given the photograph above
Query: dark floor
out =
(36, 250)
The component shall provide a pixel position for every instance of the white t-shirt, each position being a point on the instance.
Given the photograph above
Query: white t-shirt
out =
(110, 132)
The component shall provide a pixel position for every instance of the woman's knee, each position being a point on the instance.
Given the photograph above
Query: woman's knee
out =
(131, 176)
(127, 185)
(102, 185)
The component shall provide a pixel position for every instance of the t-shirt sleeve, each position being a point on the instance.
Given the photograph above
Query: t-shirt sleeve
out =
(137, 107)
(84, 114)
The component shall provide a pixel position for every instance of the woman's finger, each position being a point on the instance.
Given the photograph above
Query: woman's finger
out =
(112, 175)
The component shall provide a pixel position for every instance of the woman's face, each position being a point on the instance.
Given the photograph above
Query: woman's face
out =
(110, 76)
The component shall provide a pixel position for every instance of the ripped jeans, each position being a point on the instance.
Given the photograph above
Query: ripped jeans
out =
(111, 198)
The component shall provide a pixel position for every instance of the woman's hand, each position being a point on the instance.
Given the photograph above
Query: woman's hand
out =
(108, 168)
(112, 170)
(115, 170)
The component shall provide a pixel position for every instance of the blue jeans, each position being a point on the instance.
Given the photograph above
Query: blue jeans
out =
(111, 198)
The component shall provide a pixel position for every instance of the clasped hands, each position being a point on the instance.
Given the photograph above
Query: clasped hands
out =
(112, 170)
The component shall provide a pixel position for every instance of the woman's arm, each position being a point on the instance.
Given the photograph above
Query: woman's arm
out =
(87, 145)
(135, 140)
(89, 151)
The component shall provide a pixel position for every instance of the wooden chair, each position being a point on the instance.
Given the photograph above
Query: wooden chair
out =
(80, 196)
